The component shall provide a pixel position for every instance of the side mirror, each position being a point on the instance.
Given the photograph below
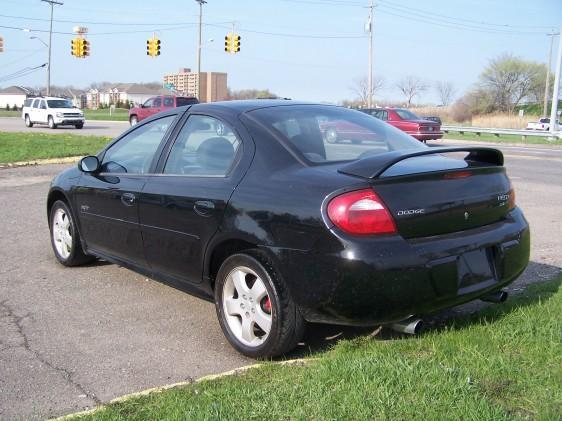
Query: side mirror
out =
(89, 164)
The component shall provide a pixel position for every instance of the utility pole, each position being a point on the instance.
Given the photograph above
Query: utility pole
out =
(547, 82)
(370, 29)
(554, 108)
(52, 3)
(198, 88)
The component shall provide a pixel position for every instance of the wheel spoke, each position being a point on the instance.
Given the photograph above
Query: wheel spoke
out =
(239, 279)
(263, 320)
(258, 290)
(233, 306)
(248, 329)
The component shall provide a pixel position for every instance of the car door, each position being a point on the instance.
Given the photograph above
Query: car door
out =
(182, 208)
(156, 105)
(34, 110)
(107, 201)
(41, 116)
(146, 108)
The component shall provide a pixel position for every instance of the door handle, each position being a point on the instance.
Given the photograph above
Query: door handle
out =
(204, 207)
(128, 199)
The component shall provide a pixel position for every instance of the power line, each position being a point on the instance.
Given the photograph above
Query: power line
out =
(21, 73)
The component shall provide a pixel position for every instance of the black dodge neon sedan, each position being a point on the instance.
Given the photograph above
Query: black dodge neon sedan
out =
(248, 204)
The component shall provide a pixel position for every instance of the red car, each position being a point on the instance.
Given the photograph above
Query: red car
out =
(156, 104)
(408, 122)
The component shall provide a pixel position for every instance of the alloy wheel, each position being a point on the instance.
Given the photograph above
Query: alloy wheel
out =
(247, 306)
(62, 233)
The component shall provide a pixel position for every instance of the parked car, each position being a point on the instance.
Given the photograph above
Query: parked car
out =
(279, 227)
(156, 104)
(542, 124)
(51, 111)
(408, 122)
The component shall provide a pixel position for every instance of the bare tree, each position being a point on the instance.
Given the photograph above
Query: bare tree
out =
(411, 86)
(361, 88)
(446, 91)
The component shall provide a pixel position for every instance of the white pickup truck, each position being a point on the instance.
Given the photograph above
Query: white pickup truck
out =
(542, 124)
(51, 111)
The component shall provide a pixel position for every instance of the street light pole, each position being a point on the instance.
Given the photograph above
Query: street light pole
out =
(52, 3)
(547, 82)
(198, 87)
(370, 75)
(554, 108)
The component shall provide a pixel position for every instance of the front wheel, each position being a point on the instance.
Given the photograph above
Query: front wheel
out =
(255, 311)
(65, 239)
(51, 122)
(28, 122)
(79, 126)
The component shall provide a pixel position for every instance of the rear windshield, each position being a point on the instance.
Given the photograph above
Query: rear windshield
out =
(407, 115)
(324, 134)
(59, 103)
(185, 101)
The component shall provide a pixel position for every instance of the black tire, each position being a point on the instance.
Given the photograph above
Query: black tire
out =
(28, 122)
(51, 122)
(79, 126)
(76, 255)
(287, 327)
(133, 120)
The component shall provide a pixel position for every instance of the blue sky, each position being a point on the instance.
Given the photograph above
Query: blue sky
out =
(286, 44)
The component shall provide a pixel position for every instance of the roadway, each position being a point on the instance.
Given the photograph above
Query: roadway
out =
(91, 127)
(72, 338)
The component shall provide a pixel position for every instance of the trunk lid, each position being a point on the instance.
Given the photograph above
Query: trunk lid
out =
(431, 194)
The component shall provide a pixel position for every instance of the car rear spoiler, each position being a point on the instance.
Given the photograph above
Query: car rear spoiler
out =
(374, 166)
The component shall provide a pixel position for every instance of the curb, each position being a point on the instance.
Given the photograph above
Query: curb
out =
(47, 161)
(159, 389)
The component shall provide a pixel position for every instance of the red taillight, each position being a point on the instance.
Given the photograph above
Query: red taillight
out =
(457, 175)
(361, 212)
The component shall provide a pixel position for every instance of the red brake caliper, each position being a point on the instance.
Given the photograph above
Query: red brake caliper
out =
(267, 305)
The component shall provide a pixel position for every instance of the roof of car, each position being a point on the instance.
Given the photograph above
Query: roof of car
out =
(242, 106)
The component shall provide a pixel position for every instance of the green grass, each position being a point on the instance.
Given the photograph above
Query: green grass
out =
(4, 113)
(485, 137)
(120, 114)
(16, 147)
(502, 363)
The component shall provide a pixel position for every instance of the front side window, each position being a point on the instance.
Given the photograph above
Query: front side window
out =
(204, 147)
(133, 154)
(59, 103)
(149, 103)
(324, 134)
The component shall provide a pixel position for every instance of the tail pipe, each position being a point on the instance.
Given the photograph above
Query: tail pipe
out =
(495, 297)
(411, 326)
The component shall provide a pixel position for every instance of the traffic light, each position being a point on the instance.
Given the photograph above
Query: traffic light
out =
(153, 47)
(236, 44)
(1, 45)
(84, 48)
(228, 43)
(75, 47)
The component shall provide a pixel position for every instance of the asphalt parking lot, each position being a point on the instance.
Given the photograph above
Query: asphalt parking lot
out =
(72, 338)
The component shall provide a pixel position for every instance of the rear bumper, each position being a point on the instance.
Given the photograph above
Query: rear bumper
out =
(370, 281)
(426, 135)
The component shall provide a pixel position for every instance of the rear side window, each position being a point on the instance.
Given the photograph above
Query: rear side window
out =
(204, 147)
(36, 103)
(324, 134)
(168, 101)
(181, 101)
(157, 102)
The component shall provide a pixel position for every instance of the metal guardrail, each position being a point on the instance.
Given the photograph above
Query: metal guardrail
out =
(497, 132)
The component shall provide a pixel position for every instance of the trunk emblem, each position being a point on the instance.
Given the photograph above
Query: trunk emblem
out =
(466, 215)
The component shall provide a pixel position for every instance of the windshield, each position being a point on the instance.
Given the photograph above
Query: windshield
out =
(324, 134)
(407, 115)
(59, 103)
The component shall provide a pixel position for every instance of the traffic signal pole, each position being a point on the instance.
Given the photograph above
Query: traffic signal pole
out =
(52, 3)
(198, 87)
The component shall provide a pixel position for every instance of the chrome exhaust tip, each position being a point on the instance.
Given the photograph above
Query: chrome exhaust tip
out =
(495, 297)
(411, 326)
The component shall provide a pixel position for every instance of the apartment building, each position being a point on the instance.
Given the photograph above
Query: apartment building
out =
(213, 84)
